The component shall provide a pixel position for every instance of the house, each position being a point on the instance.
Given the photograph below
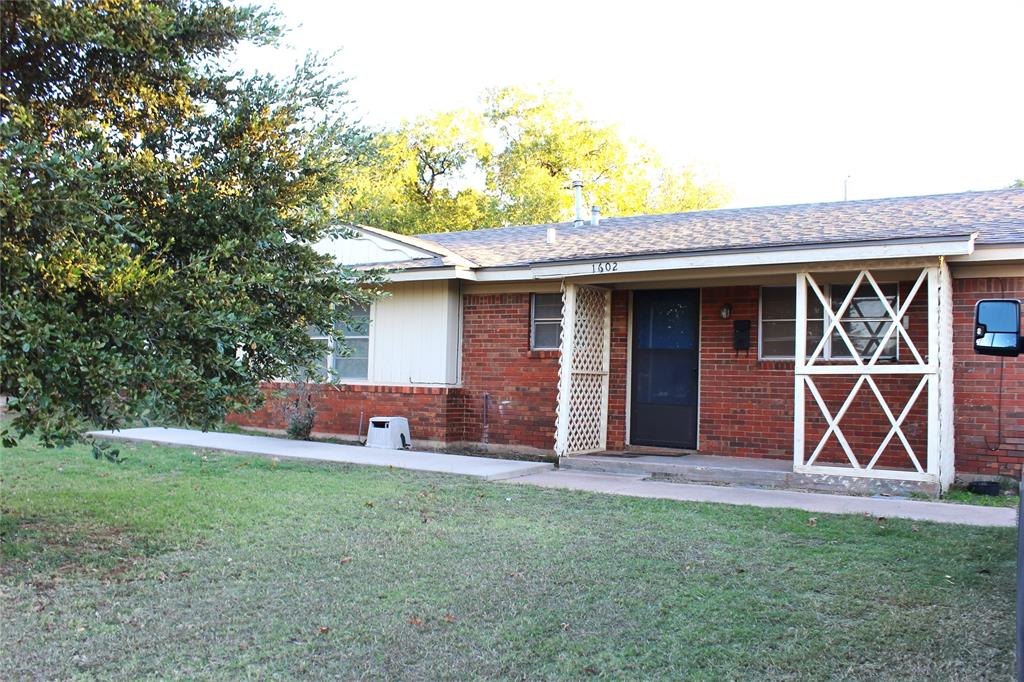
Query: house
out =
(832, 341)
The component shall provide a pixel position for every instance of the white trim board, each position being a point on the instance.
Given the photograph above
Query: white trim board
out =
(899, 253)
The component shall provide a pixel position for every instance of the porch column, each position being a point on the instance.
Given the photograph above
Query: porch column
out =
(799, 359)
(565, 348)
(582, 415)
(943, 331)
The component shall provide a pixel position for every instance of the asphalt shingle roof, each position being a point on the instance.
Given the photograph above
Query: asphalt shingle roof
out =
(998, 217)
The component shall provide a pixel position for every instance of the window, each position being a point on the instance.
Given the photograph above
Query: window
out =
(317, 334)
(865, 322)
(351, 362)
(778, 322)
(545, 321)
(355, 362)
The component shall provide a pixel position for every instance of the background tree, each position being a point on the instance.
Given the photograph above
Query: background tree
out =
(513, 163)
(158, 214)
(417, 180)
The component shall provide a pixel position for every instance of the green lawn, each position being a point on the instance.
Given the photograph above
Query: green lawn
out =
(184, 564)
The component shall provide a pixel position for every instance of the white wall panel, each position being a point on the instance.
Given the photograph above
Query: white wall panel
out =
(415, 334)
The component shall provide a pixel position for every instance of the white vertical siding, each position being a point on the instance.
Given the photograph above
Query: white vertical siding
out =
(415, 333)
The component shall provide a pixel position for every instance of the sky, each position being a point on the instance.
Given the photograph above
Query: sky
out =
(784, 102)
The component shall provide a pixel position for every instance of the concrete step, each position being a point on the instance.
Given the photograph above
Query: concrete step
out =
(740, 471)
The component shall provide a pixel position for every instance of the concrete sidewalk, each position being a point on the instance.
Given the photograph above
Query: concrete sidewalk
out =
(546, 476)
(821, 503)
(486, 468)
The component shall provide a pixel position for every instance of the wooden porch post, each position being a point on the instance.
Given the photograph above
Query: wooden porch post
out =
(940, 356)
(944, 378)
(565, 368)
(799, 358)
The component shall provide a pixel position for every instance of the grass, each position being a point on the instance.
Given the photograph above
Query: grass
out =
(187, 564)
(964, 496)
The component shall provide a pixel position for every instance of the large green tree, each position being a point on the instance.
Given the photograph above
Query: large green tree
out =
(512, 162)
(158, 214)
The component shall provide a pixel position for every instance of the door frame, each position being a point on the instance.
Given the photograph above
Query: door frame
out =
(629, 361)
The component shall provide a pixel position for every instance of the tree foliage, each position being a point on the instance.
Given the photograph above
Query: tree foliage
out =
(158, 213)
(512, 162)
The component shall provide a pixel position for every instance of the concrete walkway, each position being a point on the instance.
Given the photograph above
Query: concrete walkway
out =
(546, 476)
(822, 503)
(486, 468)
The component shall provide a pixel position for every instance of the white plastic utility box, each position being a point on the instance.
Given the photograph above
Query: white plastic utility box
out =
(388, 432)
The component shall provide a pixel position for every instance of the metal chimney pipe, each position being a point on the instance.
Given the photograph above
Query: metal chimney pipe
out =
(595, 215)
(577, 188)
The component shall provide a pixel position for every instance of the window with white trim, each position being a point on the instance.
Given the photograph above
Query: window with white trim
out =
(352, 361)
(865, 322)
(545, 321)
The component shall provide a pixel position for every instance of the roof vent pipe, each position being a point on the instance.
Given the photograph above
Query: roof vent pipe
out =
(577, 188)
(552, 236)
(595, 215)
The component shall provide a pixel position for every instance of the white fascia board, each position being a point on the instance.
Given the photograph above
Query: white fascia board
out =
(958, 246)
(375, 234)
(994, 252)
(425, 274)
(428, 249)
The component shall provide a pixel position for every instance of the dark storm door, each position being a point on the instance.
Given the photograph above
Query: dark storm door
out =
(666, 332)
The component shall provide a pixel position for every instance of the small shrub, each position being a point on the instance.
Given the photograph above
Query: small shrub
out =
(299, 408)
(300, 423)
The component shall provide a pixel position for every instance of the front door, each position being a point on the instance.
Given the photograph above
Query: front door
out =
(666, 358)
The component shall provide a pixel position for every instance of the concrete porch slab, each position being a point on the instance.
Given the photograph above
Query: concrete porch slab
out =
(485, 468)
(740, 471)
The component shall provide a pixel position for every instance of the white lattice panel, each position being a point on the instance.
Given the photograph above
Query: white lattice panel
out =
(586, 413)
(583, 374)
(589, 333)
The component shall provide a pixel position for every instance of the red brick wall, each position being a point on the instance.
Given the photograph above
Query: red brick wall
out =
(989, 435)
(747, 404)
(345, 409)
(517, 387)
(618, 367)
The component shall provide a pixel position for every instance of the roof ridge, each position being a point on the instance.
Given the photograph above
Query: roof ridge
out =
(429, 236)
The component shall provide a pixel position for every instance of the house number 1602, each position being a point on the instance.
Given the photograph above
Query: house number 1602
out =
(609, 266)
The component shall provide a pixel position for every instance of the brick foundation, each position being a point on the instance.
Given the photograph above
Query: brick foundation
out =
(344, 410)
(508, 395)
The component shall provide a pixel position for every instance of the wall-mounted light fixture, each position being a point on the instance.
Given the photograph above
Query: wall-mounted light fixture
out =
(726, 311)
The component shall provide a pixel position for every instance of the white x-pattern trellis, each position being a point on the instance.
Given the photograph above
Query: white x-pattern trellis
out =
(934, 369)
(583, 370)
